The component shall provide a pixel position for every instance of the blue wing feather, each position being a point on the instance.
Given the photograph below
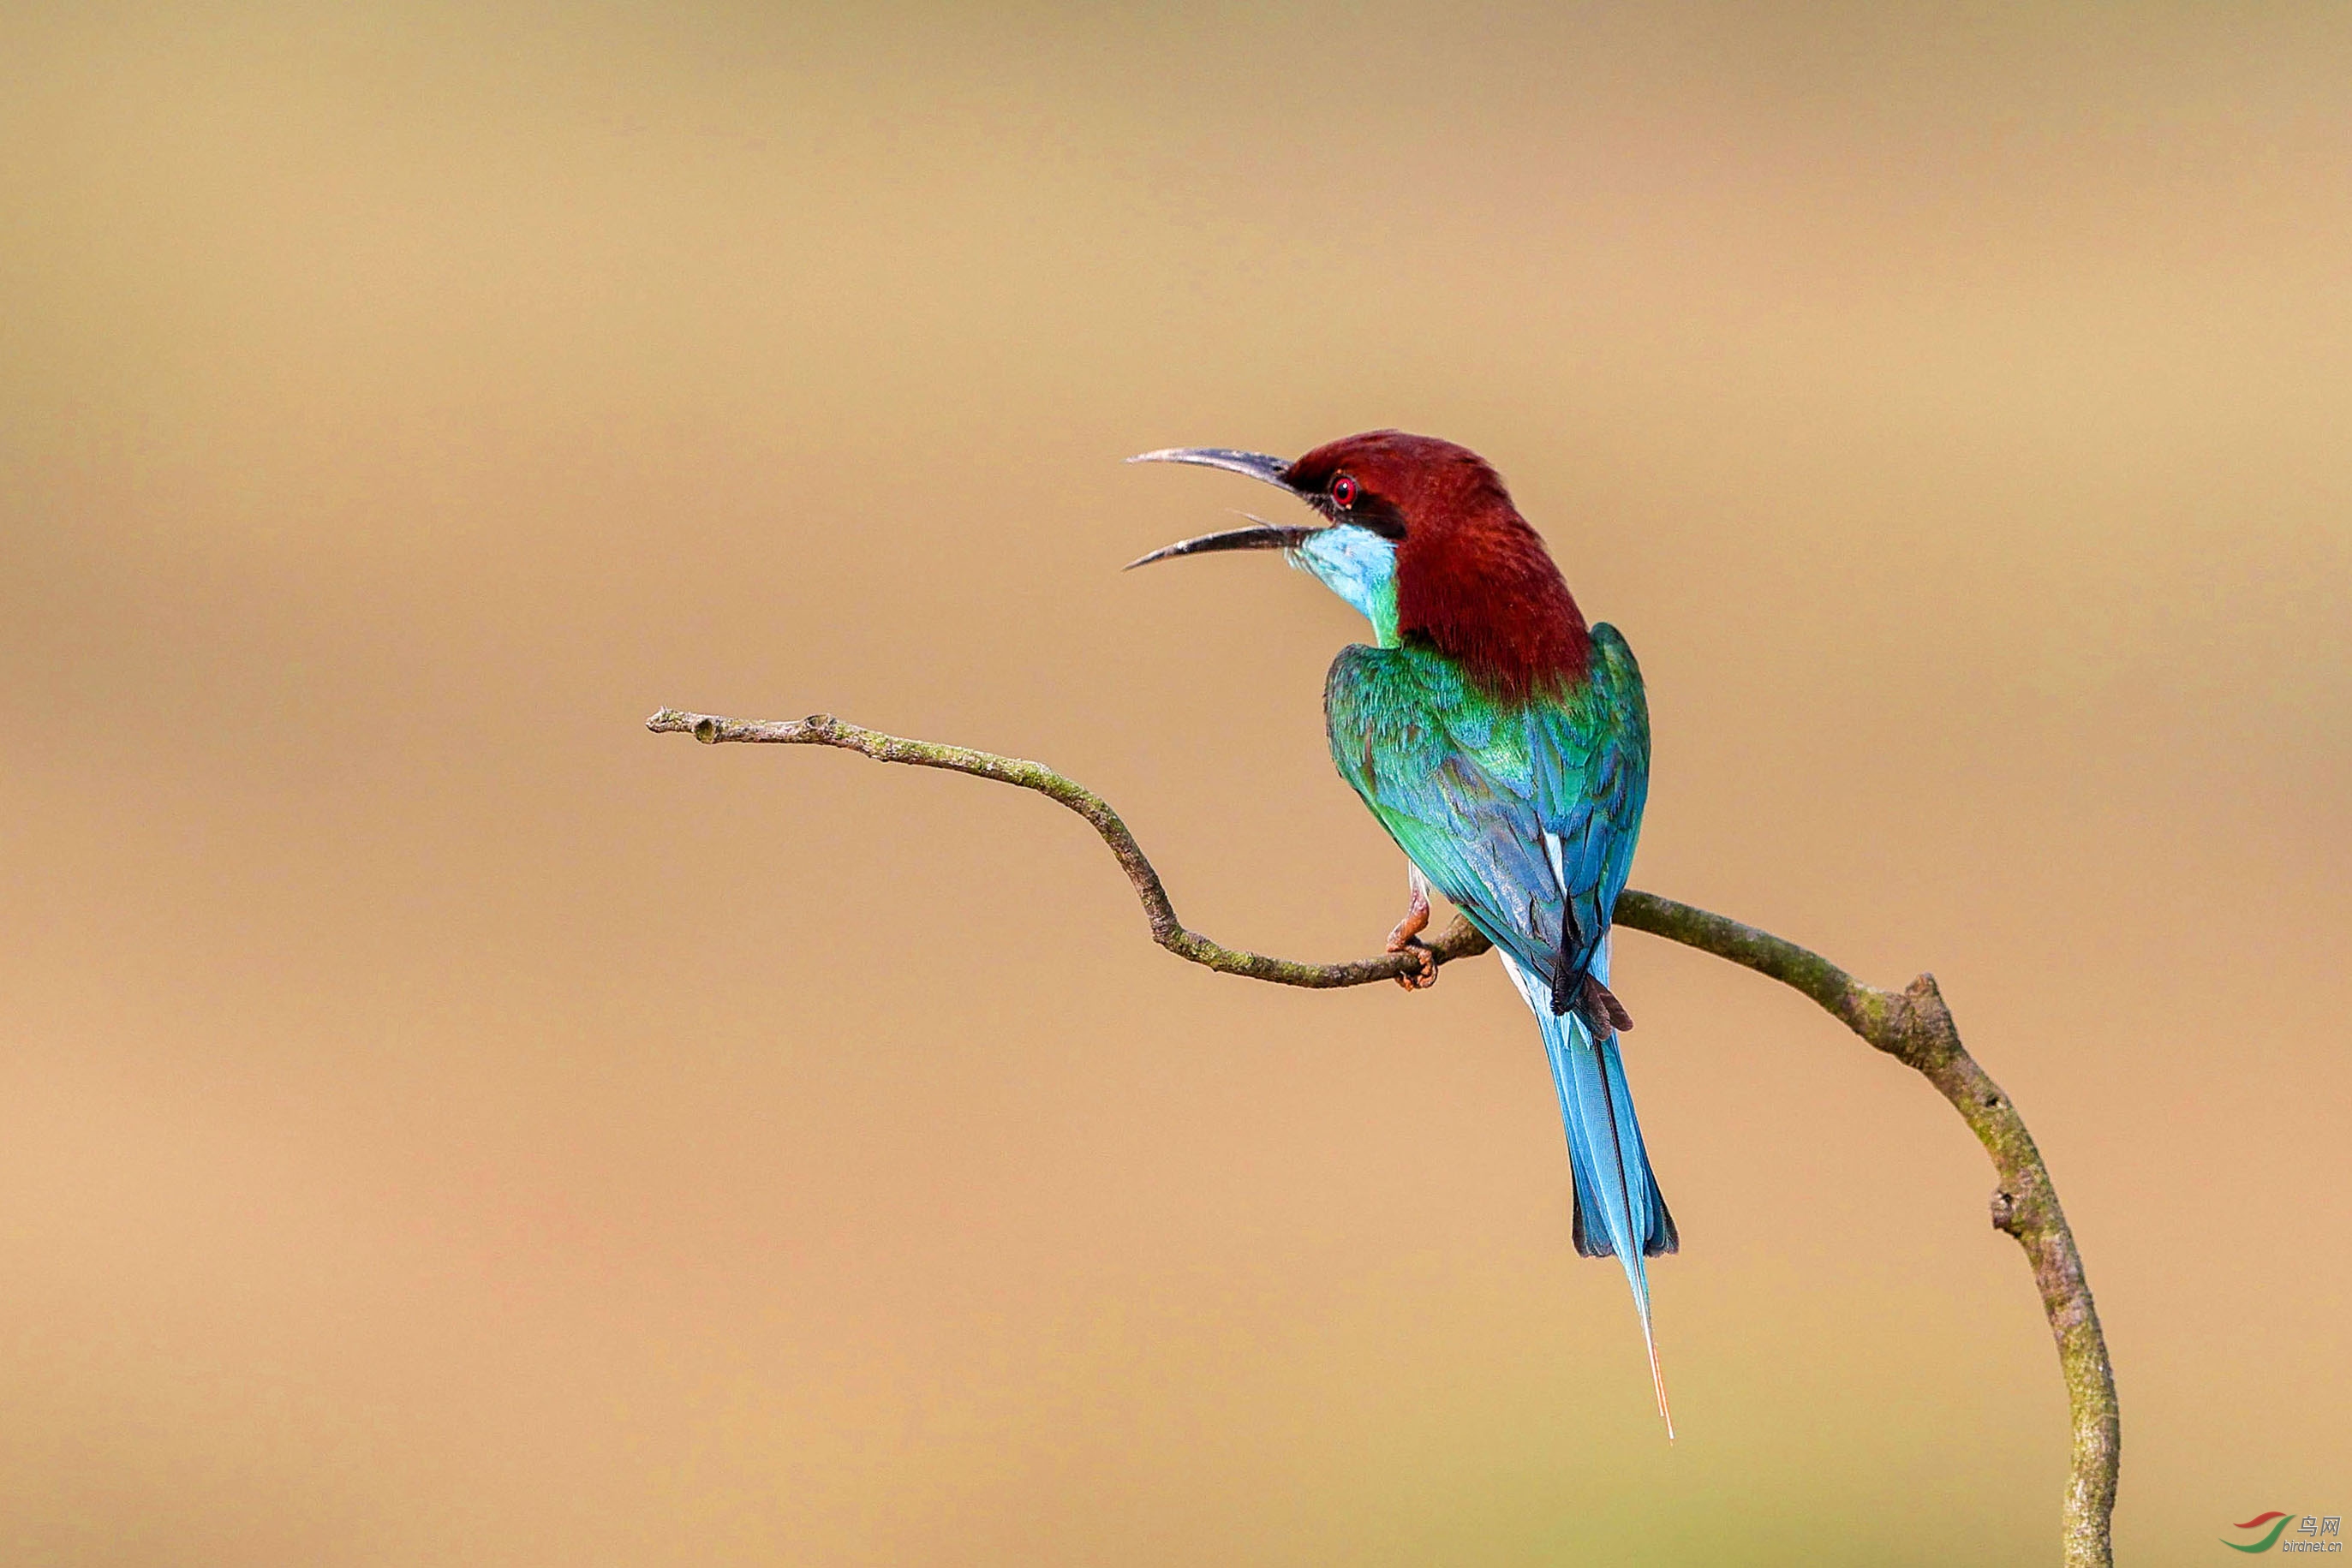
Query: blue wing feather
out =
(1472, 790)
(1523, 816)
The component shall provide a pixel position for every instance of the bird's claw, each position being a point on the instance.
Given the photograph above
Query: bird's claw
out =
(1406, 938)
(1423, 977)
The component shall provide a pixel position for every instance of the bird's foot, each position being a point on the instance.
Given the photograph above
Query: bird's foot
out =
(1406, 938)
(1419, 980)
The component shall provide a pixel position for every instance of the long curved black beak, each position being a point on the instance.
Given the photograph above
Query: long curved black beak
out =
(1261, 534)
(1257, 464)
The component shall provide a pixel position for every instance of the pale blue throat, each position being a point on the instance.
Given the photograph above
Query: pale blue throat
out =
(1360, 566)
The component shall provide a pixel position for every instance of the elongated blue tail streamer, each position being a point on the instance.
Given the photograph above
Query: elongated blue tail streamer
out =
(1619, 1210)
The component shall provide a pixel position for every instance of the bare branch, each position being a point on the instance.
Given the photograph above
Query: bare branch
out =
(1457, 941)
(1915, 1027)
(1912, 1025)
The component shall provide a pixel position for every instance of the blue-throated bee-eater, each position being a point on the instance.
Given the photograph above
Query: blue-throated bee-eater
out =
(1505, 745)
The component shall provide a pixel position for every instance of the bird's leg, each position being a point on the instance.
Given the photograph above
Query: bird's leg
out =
(1406, 937)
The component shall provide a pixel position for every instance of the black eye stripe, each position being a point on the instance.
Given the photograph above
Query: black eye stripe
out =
(1380, 515)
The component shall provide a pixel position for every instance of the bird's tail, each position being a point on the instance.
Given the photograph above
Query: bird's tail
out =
(1619, 1210)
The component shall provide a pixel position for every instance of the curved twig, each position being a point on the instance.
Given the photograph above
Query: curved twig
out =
(1915, 1027)
(1912, 1025)
(1458, 940)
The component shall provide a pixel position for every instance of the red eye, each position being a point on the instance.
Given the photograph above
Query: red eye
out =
(1343, 491)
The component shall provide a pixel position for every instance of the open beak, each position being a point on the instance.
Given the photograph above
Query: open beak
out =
(1261, 535)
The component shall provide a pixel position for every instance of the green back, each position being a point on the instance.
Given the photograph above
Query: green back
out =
(1521, 813)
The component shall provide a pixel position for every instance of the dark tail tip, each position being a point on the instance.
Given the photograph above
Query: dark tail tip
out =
(1666, 1238)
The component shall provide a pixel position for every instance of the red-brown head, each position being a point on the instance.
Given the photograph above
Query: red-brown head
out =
(1472, 579)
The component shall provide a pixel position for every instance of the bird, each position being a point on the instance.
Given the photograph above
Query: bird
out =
(1504, 746)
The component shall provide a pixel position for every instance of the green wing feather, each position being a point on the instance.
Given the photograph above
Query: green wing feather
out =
(1523, 814)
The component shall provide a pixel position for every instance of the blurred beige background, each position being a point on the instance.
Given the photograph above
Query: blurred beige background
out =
(441, 1123)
